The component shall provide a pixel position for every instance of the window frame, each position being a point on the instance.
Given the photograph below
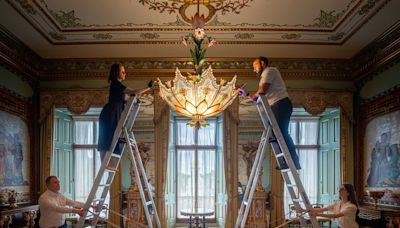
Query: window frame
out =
(196, 148)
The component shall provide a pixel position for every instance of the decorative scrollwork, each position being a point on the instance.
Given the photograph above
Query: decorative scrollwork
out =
(233, 6)
(164, 6)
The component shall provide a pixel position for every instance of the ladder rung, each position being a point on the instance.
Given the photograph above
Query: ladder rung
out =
(116, 155)
(272, 140)
(149, 203)
(104, 185)
(285, 170)
(291, 185)
(111, 170)
(98, 200)
(245, 203)
(297, 200)
(279, 155)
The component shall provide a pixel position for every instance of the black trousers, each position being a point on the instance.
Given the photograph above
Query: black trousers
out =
(282, 110)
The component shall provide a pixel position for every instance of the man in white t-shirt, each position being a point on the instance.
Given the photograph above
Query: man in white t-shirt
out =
(272, 85)
(52, 205)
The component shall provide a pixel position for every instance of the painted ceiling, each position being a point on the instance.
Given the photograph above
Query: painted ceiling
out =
(153, 28)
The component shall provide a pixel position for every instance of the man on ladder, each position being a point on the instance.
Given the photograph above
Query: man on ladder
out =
(272, 85)
(275, 118)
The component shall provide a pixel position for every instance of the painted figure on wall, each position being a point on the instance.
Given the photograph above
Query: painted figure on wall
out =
(13, 151)
(383, 162)
(384, 170)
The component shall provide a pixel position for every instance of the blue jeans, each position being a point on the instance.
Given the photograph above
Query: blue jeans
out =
(282, 110)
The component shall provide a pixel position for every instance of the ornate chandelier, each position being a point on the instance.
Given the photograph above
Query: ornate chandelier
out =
(198, 96)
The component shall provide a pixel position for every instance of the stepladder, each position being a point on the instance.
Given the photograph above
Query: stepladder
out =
(123, 141)
(272, 136)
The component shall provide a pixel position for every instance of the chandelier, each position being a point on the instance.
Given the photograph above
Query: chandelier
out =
(198, 95)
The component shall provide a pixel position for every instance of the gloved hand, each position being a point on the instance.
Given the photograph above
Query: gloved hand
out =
(254, 98)
(242, 92)
(150, 84)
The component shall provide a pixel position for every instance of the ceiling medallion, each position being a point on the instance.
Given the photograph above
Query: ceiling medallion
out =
(181, 6)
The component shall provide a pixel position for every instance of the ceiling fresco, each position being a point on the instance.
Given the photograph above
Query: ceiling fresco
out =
(162, 22)
(145, 20)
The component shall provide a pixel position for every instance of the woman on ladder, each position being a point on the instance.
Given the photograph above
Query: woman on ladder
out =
(111, 112)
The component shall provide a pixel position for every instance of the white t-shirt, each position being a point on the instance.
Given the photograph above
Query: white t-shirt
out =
(277, 90)
(349, 210)
(52, 207)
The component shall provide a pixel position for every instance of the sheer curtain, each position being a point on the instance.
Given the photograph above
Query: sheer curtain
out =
(196, 166)
(87, 160)
(305, 134)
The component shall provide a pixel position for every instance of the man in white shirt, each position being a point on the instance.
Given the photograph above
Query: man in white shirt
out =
(272, 85)
(52, 205)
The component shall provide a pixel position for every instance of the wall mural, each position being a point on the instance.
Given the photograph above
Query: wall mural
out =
(382, 146)
(14, 155)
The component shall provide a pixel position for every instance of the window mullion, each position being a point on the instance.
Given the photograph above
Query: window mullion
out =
(196, 180)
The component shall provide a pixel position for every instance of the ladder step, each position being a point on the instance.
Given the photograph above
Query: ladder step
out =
(116, 155)
(98, 200)
(297, 200)
(245, 203)
(104, 185)
(149, 203)
(279, 155)
(291, 185)
(285, 170)
(111, 170)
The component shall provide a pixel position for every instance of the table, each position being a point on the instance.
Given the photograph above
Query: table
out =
(29, 213)
(197, 216)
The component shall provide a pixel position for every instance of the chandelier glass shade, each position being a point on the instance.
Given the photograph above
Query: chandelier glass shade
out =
(198, 97)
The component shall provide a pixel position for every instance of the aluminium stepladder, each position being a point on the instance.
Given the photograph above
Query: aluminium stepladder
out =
(123, 130)
(273, 135)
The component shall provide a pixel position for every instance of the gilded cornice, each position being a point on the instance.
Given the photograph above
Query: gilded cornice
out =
(145, 68)
(377, 56)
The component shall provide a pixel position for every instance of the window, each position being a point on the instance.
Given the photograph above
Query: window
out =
(196, 153)
(76, 160)
(304, 132)
(317, 141)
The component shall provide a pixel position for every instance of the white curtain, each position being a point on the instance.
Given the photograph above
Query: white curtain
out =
(305, 133)
(190, 141)
(87, 161)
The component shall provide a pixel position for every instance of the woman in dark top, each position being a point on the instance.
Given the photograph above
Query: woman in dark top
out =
(112, 111)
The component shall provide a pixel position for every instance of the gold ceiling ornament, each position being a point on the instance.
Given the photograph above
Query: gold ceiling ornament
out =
(198, 96)
(213, 6)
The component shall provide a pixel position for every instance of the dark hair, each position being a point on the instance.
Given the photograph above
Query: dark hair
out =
(352, 193)
(48, 179)
(114, 72)
(263, 59)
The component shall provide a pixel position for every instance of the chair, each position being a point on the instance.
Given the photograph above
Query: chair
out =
(296, 222)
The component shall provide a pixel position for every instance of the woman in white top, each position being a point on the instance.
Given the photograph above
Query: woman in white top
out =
(344, 211)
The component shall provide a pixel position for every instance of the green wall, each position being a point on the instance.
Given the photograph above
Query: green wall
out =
(381, 83)
(15, 83)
